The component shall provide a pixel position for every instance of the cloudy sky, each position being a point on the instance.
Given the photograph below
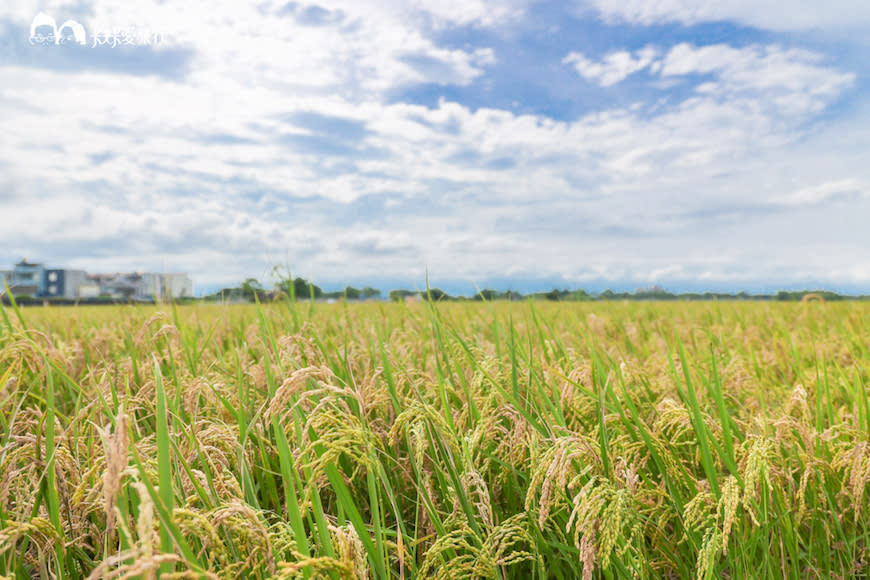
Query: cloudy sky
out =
(704, 144)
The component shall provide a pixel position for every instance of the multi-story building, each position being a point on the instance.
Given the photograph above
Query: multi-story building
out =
(89, 290)
(176, 285)
(181, 285)
(124, 286)
(62, 283)
(27, 279)
(144, 286)
(35, 280)
(154, 285)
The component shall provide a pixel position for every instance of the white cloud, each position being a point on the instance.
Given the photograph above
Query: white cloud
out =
(766, 14)
(649, 192)
(845, 189)
(798, 80)
(363, 48)
(639, 176)
(614, 68)
(483, 13)
(784, 83)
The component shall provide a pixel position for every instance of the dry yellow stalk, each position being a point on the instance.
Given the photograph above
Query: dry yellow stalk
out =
(116, 446)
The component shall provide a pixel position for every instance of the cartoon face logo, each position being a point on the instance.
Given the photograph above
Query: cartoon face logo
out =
(44, 30)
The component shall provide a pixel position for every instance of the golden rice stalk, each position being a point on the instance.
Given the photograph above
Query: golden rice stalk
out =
(116, 447)
(856, 462)
(295, 384)
(242, 519)
(709, 551)
(556, 469)
(587, 554)
(755, 472)
(321, 566)
(474, 557)
(809, 472)
(38, 530)
(475, 487)
(502, 541)
(460, 566)
(113, 567)
(145, 525)
(797, 405)
(200, 526)
(414, 422)
(143, 561)
(605, 512)
(698, 513)
(727, 513)
(350, 550)
(9, 387)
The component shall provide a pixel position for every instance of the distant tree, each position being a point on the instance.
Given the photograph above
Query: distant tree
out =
(231, 292)
(691, 296)
(352, 293)
(436, 294)
(399, 295)
(553, 294)
(252, 289)
(653, 293)
(580, 295)
(487, 295)
(369, 292)
(300, 288)
(286, 287)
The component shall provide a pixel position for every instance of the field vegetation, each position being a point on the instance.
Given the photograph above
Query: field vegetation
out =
(462, 440)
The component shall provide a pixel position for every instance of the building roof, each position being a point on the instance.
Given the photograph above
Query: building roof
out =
(25, 263)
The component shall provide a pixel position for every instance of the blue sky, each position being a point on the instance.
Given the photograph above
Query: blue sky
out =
(519, 144)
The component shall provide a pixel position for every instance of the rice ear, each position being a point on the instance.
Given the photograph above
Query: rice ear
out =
(116, 446)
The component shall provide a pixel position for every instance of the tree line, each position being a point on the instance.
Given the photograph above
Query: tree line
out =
(302, 289)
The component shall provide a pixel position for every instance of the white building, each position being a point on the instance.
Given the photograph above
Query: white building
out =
(34, 279)
(144, 286)
(62, 283)
(88, 290)
(121, 286)
(179, 285)
(174, 285)
(27, 279)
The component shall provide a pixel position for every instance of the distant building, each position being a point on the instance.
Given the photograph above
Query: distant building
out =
(88, 290)
(27, 279)
(177, 285)
(62, 283)
(121, 286)
(143, 286)
(164, 286)
(33, 279)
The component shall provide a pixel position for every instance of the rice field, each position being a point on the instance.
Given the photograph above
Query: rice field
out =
(464, 440)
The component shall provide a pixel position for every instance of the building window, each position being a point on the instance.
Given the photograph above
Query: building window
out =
(52, 289)
(52, 277)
